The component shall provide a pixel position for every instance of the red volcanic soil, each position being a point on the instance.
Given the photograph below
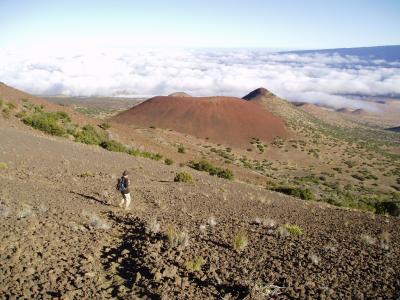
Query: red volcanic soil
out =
(225, 120)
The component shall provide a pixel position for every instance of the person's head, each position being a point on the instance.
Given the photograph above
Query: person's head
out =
(125, 173)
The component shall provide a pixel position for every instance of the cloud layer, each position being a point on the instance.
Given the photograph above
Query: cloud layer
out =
(311, 77)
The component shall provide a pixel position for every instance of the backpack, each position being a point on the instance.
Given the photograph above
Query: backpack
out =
(121, 184)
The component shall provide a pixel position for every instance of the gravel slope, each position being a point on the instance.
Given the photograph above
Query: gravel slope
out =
(62, 234)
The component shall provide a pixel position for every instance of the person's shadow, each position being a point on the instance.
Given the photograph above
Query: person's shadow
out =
(103, 202)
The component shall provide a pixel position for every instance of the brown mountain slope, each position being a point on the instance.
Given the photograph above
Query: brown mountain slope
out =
(18, 97)
(221, 119)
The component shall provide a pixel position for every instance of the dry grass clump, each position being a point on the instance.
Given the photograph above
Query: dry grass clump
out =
(265, 291)
(177, 238)
(195, 265)
(153, 227)
(385, 240)
(87, 174)
(98, 223)
(315, 259)
(25, 212)
(211, 221)
(4, 211)
(3, 166)
(283, 232)
(240, 241)
(366, 238)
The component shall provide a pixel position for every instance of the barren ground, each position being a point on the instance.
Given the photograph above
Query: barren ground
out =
(62, 234)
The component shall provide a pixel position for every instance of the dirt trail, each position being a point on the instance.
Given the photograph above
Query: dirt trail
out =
(63, 236)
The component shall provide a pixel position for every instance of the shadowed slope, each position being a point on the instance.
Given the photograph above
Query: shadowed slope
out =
(222, 119)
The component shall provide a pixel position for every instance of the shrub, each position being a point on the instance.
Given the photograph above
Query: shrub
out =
(206, 166)
(177, 238)
(89, 135)
(112, 145)
(294, 229)
(46, 122)
(195, 265)
(305, 194)
(181, 149)
(21, 114)
(154, 156)
(105, 125)
(3, 165)
(134, 152)
(168, 161)
(61, 115)
(183, 177)
(240, 241)
(6, 112)
(388, 207)
(11, 105)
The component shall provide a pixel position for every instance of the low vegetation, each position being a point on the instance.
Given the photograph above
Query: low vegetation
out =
(184, 177)
(112, 145)
(240, 241)
(59, 124)
(195, 265)
(105, 125)
(168, 161)
(305, 194)
(177, 238)
(181, 149)
(48, 122)
(294, 229)
(206, 166)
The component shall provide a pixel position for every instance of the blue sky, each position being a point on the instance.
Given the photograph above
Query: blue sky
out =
(281, 24)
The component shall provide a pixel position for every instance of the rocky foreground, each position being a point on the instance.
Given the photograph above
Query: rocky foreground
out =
(63, 236)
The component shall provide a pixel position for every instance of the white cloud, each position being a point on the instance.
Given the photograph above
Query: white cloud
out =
(322, 78)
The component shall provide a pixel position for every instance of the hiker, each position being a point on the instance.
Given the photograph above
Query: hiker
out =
(123, 187)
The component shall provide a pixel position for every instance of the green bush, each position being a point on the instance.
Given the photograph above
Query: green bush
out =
(154, 156)
(206, 166)
(112, 145)
(134, 152)
(21, 114)
(181, 149)
(168, 161)
(240, 241)
(89, 135)
(46, 122)
(294, 229)
(183, 177)
(388, 207)
(63, 116)
(6, 112)
(304, 194)
(11, 105)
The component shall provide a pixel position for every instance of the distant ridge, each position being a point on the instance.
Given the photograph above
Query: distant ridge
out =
(388, 53)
